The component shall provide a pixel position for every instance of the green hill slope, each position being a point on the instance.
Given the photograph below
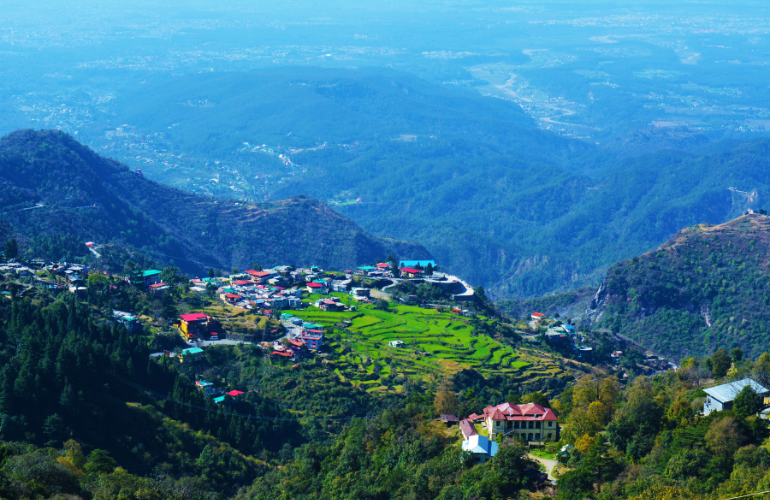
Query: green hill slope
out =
(53, 187)
(704, 289)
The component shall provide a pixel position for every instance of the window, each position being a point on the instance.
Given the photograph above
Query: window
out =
(531, 424)
(550, 424)
(549, 435)
(497, 423)
(529, 438)
(537, 437)
(537, 425)
(516, 424)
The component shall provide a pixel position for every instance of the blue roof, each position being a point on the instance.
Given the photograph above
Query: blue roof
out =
(194, 350)
(413, 263)
(727, 392)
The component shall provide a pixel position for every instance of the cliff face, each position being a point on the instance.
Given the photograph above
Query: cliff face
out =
(705, 288)
(53, 187)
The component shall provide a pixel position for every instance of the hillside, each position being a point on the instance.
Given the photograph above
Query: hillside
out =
(53, 188)
(704, 289)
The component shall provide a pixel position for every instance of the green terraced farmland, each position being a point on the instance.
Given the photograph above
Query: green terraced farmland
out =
(437, 343)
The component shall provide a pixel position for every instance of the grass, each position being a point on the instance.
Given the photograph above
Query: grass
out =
(437, 343)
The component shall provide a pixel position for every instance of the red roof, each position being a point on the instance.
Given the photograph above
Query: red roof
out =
(297, 343)
(314, 285)
(232, 296)
(158, 285)
(410, 270)
(529, 411)
(193, 317)
(258, 274)
(467, 428)
(243, 282)
(234, 393)
(383, 265)
(538, 314)
(285, 354)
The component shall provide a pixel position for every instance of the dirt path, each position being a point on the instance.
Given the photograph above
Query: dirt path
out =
(548, 464)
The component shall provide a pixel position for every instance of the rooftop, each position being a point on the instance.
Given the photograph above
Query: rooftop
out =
(727, 392)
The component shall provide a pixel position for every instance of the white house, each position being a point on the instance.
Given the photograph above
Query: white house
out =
(482, 448)
(721, 397)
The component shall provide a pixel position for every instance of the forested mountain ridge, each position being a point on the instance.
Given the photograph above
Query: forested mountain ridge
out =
(704, 289)
(53, 187)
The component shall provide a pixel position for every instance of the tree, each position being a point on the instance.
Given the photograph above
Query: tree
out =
(575, 485)
(211, 272)
(429, 269)
(737, 354)
(723, 437)
(536, 397)
(169, 274)
(666, 493)
(446, 401)
(11, 249)
(720, 363)
(747, 403)
(99, 461)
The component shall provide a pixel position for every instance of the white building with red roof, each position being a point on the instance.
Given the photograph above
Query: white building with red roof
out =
(528, 422)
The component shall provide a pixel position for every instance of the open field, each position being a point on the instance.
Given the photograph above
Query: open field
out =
(436, 344)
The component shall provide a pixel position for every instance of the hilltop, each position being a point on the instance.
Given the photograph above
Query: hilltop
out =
(706, 288)
(56, 194)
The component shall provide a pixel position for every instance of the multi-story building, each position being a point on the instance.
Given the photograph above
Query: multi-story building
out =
(528, 422)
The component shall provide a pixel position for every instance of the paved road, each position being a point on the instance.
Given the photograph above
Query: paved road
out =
(548, 464)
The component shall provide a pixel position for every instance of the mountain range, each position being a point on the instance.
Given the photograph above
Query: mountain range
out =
(53, 189)
(493, 197)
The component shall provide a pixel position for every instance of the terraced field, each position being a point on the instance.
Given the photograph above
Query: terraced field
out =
(437, 344)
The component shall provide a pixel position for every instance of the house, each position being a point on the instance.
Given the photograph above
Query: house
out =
(365, 270)
(260, 276)
(315, 287)
(481, 447)
(312, 336)
(191, 355)
(340, 285)
(537, 316)
(396, 343)
(207, 387)
(410, 272)
(529, 422)
(449, 419)
(330, 305)
(467, 428)
(230, 298)
(128, 320)
(234, 394)
(150, 277)
(159, 287)
(721, 397)
(194, 325)
(361, 293)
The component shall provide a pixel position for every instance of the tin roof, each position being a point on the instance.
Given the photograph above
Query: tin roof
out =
(727, 392)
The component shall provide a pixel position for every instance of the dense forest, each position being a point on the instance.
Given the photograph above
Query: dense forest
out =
(55, 192)
(704, 289)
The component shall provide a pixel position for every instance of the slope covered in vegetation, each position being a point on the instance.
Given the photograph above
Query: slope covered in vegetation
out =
(53, 188)
(704, 289)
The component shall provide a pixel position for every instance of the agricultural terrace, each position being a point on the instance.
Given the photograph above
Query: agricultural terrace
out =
(436, 344)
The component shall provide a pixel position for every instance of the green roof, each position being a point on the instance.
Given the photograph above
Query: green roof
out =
(366, 268)
(150, 272)
(194, 350)
(229, 290)
(219, 399)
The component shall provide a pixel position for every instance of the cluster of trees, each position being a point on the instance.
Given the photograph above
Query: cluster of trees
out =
(650, 439)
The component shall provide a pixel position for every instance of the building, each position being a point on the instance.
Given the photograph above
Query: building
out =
(396, 343)
(537, 316)
(207, 387)
(330, 305)
(261, 276)
(481, 447)
(128, 320)
(721, 397)
(467, 428)
(529, 422)
(150, 277)
(194, 325)
(410, 272)
(191, 355)
(361, 293)
(314, 287)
